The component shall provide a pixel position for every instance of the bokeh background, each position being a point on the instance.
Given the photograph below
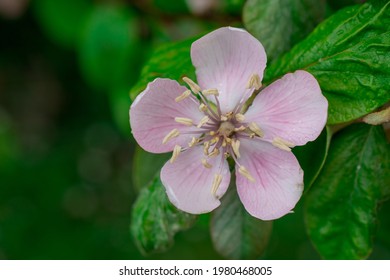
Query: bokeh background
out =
(66, 151)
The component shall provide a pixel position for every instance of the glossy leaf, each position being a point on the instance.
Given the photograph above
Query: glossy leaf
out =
(146, 166)
(235, 233)
(348, 54)
(109, 48)
(312, 156)
(279, 25)
(155, 221)
(341, 206)
(168, 61)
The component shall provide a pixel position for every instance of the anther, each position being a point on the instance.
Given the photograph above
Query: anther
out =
(206, 146)
(241, 128)
(185, 121)
(256, 129)
(205, 163)
(240, 117)
(174, 133)
(212, 133)
(202, 107)
(214, 153)
(282, 144)
(193, 142)
(175, 154)
(211, 91)
(216, 183)
(244, 172)
(183, 96)
(224, 118)
(193, 86)
(236, 147)
(214, 140)
(203, 121)
(226, 154)
(254, 82)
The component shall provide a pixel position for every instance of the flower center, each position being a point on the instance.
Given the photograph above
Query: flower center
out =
(226, 129)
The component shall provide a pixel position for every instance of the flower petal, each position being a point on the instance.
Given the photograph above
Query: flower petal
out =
(153, 112)
(292, 108)
(226, 59)
(278, 180)
(189, 184)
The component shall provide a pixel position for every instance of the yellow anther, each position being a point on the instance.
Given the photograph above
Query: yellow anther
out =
(203, 121)
(228, 140)
(174, 133)
(212, 133)
(193, 142)
(193, 86)
(214, 140)
(282, 144)
(241, 128)
(256, 129)
(183, 96)
(211, 91)
(240, 117)
(236, 147)
(244, 172)
(205, 163)
(224, 143)
(226, 154)
(202, 107)
(176, 153)
(214, 153)
(254, 82)
(206, 146)
(216, 183)
(185, 121)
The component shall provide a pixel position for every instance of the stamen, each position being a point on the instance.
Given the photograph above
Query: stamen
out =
(175, 154)
(256, 129)
(214, 153)
(202, 108)
(216, 183)
(183, 96)
(224, 118)
(206, 146)
(254, 82)
(282, 144)
(185, 121)
(194, 87)
(240, 117)
(174, 133)
(211, 91)
(244, 172)
(226, 154)
(205, 163)
(212, 133)
(241, 128)
(236, 147)
(203, 121)
(193, 142)
(214, 140)
(224, 143)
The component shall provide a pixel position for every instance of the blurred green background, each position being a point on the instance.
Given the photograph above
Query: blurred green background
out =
(66, 68)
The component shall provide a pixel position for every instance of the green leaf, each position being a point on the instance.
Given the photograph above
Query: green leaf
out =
(146, 166)
(348, 54)
(337, 4)
(155, 221)
(280, 24)
(109, 49)
(168, 61)
(63, 20)
(312, 156)
(236, 234)
(341, 206)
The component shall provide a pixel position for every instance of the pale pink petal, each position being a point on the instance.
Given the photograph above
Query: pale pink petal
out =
(226, 59)
(189, 184)
(278, 180)
(292, 108)
(153, 112)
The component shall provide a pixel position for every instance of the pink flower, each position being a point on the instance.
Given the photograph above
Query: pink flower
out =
(207, 124)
